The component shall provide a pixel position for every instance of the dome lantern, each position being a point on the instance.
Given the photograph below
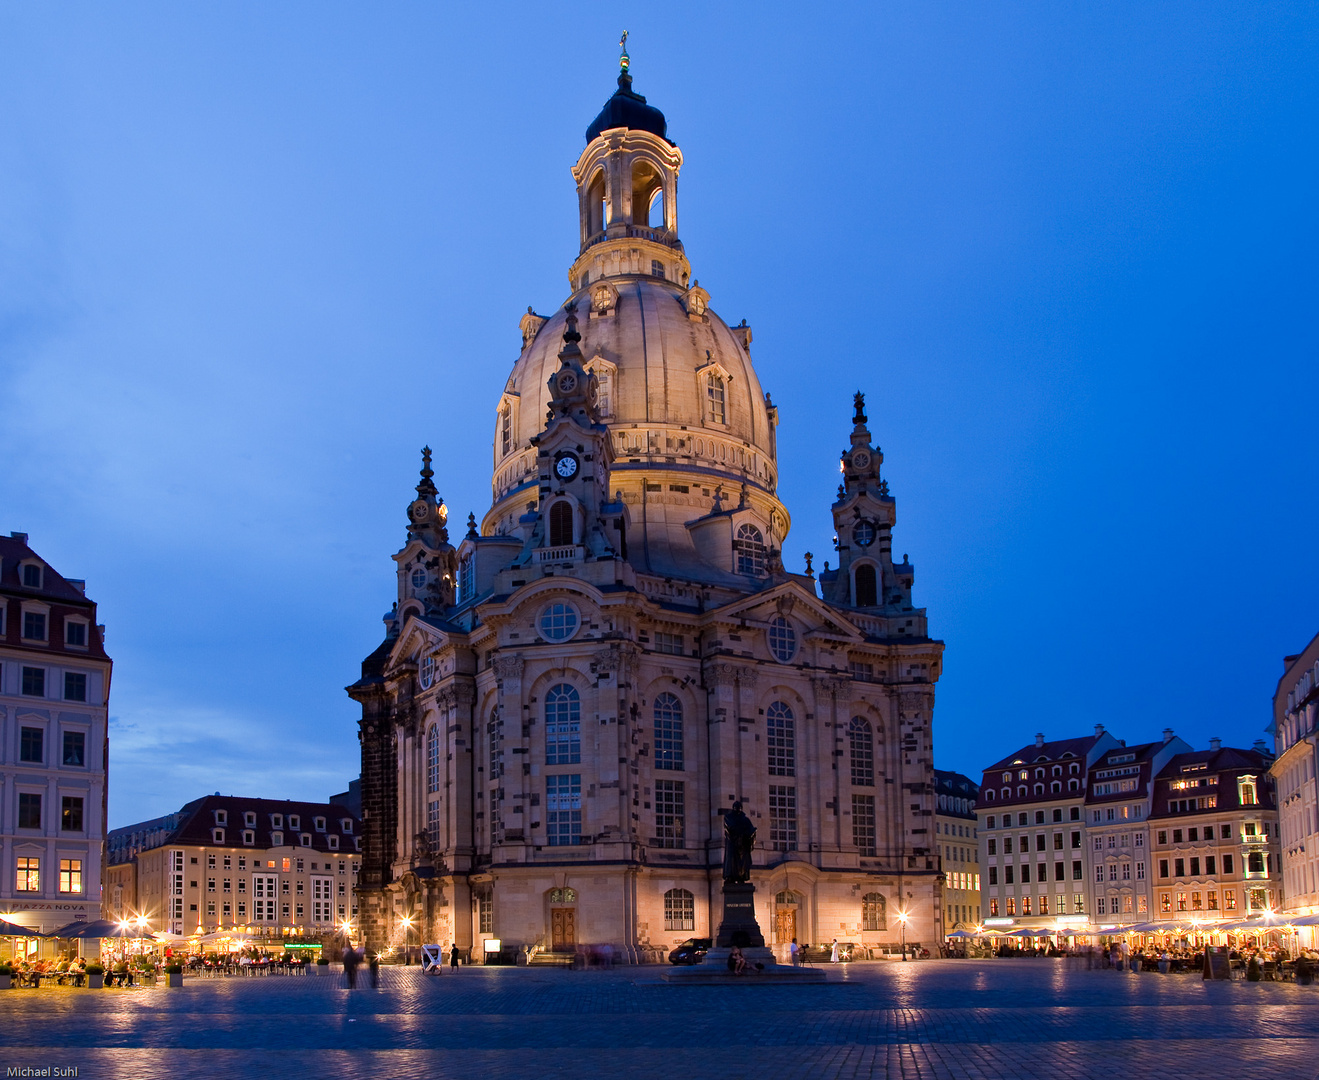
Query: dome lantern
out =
(627, 188)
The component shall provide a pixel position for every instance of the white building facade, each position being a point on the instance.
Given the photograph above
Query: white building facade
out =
(54, 693)
(1296, 732)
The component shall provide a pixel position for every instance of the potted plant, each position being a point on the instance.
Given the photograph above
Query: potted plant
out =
(175, 974)
(6, 976)
(95, 976)
(322, 965)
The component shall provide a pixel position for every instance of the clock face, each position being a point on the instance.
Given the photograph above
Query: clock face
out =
(567, 382)
(417, 510)
(566, 467)
(863, 533)
(861, 460)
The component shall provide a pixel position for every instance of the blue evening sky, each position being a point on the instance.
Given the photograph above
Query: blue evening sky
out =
(253, 256)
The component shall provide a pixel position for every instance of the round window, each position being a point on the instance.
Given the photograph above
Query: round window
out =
(558, 622)
(418, 578)
(782, 639)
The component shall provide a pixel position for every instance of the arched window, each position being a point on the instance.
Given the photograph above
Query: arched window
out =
(563, 725)
(782, 639)
(506, 429)
(715, 406)
(467, 577)
(597, 209)
(781, 734)
(668, 732)
(561, 523)
(655, 211)
(603, 393)
(679, 910)
(863, 752)
(433, 758)
(1056, 787)
(750, 550)
(867, 589)
(495, 734)
(874, 912)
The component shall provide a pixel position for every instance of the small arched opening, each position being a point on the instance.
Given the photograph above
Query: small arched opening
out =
(867, 587)
(561, 524)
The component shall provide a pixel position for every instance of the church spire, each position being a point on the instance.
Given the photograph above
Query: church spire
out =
(427, 485)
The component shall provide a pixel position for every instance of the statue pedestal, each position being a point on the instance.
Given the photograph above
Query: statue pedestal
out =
(740, 929)
(739, 926)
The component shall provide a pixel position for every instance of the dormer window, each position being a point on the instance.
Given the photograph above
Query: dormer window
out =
(31, 575)
(320, 824)
(304, 839)
(277, 839)
(715, 405)
(75, 634)
(217, 836)
(1247, 791)
(749, 547)
(333, 842)
(222, 817)
(249, 837)
(295, 822)
(346, 824)
(277, 821)
(34, 626)
(249, 819)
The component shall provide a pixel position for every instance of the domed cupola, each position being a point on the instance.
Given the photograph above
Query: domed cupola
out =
(628, 109)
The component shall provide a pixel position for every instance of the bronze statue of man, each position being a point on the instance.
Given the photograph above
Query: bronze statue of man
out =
(739, 839)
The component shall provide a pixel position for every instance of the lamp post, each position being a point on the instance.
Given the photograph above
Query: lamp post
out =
(902, 925)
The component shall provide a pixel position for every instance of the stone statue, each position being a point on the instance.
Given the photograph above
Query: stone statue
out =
(739, 839)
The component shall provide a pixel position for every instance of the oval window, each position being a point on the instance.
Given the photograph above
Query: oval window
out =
(558, 622)
(418, 578)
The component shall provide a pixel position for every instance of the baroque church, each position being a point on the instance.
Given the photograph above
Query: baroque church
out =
(572, 693)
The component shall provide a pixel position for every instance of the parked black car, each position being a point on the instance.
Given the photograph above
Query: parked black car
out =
(691, 951)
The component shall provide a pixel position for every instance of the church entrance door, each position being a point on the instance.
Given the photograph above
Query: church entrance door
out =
(563, 929)
(785, 924)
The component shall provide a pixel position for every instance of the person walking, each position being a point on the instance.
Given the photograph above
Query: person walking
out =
(374, 966)
(350, 962)
(453, 956)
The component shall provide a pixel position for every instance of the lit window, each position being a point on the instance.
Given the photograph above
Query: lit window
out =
(679, 910)
(783, 818)
(71, 875)
(670, 813)
(71, 813)
(29, 875)
(863, 823)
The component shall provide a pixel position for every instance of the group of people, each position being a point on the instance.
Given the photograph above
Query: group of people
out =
(67, 969)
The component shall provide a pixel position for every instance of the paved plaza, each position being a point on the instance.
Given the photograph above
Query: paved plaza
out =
(978, 1019)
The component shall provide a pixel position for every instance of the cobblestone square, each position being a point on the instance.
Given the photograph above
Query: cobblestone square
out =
(978, 1020)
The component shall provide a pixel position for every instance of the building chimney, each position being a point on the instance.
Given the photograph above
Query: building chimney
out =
(1039, 738)
(1215, 745)
(1260, 746)
(20, 537)
(1167, 735)
(1099, 730)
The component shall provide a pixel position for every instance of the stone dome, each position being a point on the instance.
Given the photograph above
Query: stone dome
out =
(655, 361)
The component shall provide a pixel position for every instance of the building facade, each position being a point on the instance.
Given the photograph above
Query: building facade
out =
(1215, 849)
(272, 868)
(1296, 731)
(54, 692)
(567, 701)
(957, 835)
(1035, 861)
(1118, 806)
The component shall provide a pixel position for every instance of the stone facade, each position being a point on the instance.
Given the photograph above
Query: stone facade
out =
(958, 845)
(567, 701)
(1296, 728)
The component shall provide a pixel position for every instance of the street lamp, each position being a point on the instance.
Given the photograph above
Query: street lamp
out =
(902, 924)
